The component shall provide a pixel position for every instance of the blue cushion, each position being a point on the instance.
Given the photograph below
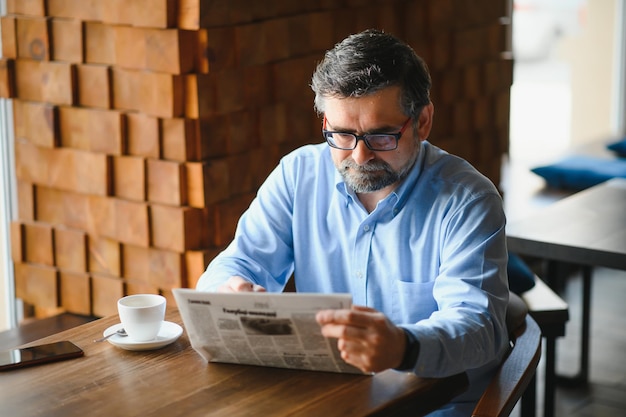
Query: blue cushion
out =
(618, 147)
(521, 278)
(580, 172)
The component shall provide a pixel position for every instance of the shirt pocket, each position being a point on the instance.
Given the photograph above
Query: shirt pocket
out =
(413, 301)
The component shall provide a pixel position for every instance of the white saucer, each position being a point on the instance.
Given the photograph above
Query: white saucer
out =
(169, 333)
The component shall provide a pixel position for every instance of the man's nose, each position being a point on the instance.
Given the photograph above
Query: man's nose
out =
(362, 154)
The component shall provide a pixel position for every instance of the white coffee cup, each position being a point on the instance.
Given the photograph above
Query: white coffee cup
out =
(142, 315)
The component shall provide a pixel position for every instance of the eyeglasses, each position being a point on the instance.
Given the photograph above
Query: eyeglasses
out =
(374, 141)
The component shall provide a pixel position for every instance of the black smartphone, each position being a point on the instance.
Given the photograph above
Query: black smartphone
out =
(35, 355)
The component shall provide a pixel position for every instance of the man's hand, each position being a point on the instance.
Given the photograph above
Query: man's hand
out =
(365, 337)
(239, 284)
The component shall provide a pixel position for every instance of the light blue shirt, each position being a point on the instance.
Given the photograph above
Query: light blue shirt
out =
(431, 256)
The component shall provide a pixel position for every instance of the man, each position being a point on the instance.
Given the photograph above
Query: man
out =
(414, 234)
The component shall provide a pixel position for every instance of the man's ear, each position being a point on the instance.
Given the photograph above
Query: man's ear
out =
(425, 121)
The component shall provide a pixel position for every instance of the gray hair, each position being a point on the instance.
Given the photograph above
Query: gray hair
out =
(367, 62)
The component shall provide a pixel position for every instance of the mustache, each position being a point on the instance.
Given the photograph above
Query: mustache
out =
(371, 166)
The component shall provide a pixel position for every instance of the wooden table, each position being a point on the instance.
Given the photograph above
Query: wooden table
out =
(586, 229)
(176, 381)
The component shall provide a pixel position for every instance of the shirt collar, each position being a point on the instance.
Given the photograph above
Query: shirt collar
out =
(400, 193)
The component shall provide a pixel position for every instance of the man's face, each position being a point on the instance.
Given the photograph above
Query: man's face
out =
(364, 170)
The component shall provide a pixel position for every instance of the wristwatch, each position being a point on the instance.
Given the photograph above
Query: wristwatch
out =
(411, 352)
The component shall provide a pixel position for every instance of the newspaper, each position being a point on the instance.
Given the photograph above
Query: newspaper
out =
(265, 329)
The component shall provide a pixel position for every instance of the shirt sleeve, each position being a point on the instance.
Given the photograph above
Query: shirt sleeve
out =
(261, 250)
(468, 331)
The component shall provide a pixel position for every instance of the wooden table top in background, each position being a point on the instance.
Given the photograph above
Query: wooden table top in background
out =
(176, 381)
(586, 228)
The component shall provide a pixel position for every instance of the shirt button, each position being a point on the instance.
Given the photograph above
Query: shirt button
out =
(366, 228)
(359, 275)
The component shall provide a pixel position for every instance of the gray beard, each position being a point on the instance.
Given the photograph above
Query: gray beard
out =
(373, 176)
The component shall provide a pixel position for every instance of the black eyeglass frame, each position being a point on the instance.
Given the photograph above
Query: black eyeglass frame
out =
(365, 138)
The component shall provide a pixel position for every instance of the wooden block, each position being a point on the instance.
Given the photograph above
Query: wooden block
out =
(104, 256)
(92, 129)
(17, 242)
(93, 214)
(70, 249)
(8, 35)
(321, 25)
(39, 244)
(161, 94)
(67, 40)
(25, 201)
(28, 7)
(37, 284)
(251, 44)
(273, 124)
(155, 94)
(99, 43)
(173, 51)
(498, 76)
(177, 228)
(243, 133)
(154, 13)
(130, 47)
(300, 125)
(257, 86)
(7, 78)
(240, 175)
(188, 14)
(180, 139)
(212, 130)
(36, 122)
(93, 83)
(100, 218)
(132, 222)
(118, 12)
(75, 291)
(481, 113)
(220, 51)
(276, 32)
(200, 96)
(196, 263)
(125, 85)
(202, 53)
(299, 28)
(442, 51)
(167, 182)
(162, 50)
(141, 13)
(105, 291)
(229, 91)
(63, 168)
(135, 263)
(167, 269)
(33, 39)
(192, 97)
(472, 81)
(51, 82)
(154, 267)
(50, 205)
(139, 287)
(208, 182)
(143, 135)
(293, 76)
(77, 9)
(226, 216)
(129, 177)
(31, 162)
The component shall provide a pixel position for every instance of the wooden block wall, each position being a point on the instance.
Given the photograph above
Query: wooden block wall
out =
(143, 128)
